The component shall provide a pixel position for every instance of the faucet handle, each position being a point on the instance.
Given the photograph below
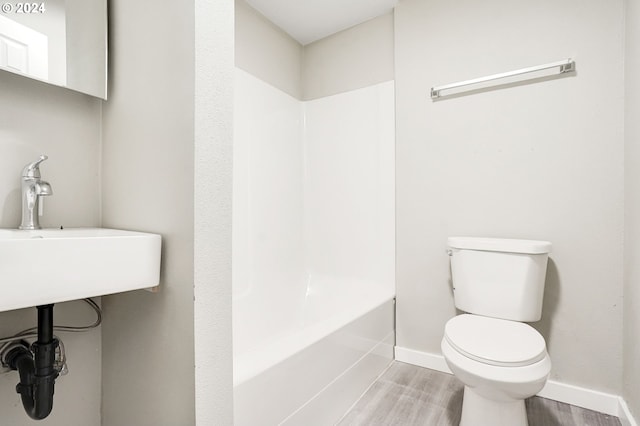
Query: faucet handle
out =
(32, 170)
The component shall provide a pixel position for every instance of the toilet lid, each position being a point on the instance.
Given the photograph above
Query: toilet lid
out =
(495, 341)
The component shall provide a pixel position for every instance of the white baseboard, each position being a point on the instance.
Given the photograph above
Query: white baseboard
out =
(581, 397)
(422, 359)
(569, 394)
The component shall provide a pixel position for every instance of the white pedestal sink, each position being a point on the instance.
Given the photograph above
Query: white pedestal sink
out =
(56, 265)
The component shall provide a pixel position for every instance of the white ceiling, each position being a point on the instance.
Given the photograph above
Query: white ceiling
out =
(311, 20)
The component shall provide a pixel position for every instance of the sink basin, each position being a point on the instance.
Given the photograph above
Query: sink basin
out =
(56, 265)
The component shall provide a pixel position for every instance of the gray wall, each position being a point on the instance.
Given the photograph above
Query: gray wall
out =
(631, 377)
(37, 118)
(541, 161)
(266, 51)
(351, 59)
(147, 185)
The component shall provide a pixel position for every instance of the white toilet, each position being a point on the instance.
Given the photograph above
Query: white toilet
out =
(500, 359)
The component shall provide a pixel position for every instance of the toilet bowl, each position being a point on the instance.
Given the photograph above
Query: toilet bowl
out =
(500, 362)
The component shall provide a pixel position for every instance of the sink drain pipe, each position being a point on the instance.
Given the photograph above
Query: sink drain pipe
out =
(36, 367)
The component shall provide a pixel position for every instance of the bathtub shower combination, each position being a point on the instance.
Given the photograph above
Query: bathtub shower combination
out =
(313, 255)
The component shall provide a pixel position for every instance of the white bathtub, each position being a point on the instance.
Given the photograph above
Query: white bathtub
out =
(312, 363)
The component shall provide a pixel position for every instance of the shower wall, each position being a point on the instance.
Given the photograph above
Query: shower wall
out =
(313, 190)
(349, 185)
(268, 242)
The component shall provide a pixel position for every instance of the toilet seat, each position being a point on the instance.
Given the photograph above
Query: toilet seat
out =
(495, 341)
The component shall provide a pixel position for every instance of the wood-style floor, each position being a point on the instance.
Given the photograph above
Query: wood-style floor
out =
(407, 395)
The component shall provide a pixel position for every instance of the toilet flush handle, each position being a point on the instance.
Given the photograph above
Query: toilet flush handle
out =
(450, 252)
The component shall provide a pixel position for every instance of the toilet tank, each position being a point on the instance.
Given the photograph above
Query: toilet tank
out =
(499, 278)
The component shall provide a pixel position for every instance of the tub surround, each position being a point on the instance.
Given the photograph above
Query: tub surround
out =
(313, 250)
(299, 164)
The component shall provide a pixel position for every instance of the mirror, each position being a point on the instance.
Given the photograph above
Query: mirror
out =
(62, 42)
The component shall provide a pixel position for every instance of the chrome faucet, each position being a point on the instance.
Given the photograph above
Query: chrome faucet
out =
(32, 189)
